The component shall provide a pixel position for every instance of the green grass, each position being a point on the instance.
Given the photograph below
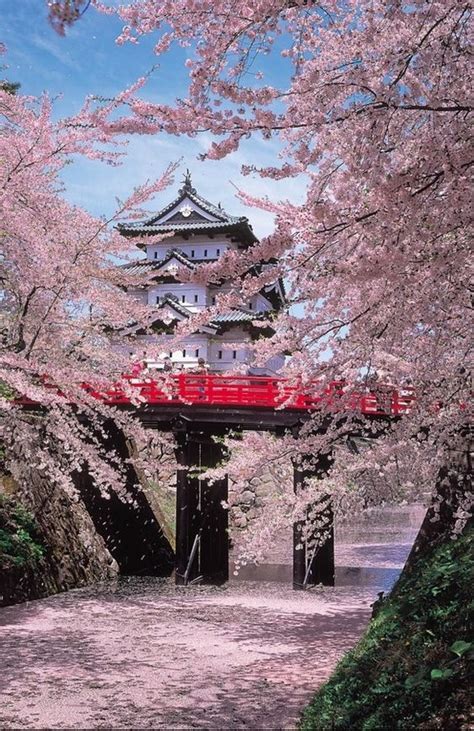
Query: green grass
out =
(19, 542)
(413, 666)
(166, 501)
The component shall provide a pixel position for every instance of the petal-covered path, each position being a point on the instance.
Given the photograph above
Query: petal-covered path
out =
(143, 654)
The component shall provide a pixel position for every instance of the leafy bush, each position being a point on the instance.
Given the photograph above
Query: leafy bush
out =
(19, 541)
(5, 390)
(411, 668)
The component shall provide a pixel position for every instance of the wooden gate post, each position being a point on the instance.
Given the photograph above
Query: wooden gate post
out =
(313, 565)
(202, 541)
(186, 512)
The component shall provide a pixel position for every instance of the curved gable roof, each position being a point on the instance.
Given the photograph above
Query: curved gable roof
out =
(202, 217)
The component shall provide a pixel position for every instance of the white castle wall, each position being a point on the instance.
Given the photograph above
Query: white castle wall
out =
(198, 247)
(227, 351)
(192, 296)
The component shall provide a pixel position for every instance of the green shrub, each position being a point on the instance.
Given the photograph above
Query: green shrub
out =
(19, 541)
(411, 668)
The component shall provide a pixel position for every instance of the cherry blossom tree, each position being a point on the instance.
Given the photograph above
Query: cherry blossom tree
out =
(372, 111)
(64, 13)
(65, 309)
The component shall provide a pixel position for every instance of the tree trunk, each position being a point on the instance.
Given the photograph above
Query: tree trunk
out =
(444, 516)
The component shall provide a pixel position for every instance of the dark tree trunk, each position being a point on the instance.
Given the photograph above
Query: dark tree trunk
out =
(453, 483)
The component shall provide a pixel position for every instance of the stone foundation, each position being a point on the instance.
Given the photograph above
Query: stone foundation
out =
(74, 553)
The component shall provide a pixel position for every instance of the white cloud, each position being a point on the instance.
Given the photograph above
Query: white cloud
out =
(94, 185)
(56, 48)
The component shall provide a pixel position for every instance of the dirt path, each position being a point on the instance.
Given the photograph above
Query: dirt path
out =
(143, 654)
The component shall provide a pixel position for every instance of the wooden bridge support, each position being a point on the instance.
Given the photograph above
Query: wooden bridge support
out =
(202, 540)
(313, 561)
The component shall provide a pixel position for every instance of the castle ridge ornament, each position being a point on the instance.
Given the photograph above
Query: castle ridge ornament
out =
(185, 211)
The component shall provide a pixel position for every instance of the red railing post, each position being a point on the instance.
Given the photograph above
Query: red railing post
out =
(182, 387)
(264, 391)
(209, 388)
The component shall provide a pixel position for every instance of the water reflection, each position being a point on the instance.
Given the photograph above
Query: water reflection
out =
(381, 578)
(370, 552)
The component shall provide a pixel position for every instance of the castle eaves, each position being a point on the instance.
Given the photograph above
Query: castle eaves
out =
(187, 221)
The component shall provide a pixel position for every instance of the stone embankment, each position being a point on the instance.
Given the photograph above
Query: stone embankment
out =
(79, 539)
(71, 552)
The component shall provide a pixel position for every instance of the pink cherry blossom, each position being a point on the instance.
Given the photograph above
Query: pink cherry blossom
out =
(64, 302)
(373, 110)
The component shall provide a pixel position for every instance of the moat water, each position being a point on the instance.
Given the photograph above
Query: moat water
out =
(142, 653)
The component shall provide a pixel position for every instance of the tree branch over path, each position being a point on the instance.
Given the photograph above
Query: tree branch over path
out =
(371, 110)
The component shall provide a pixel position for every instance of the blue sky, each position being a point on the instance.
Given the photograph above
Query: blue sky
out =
(87, 61)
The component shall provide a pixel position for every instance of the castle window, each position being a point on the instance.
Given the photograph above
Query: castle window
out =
(234, 354)
(250, 306)
(196, 298)
(184, 353)
(196, 353)
(157, 299)
(192, 253)
(219, 354)
(218, 252)
(213, 300)
(183, 298)
(205, 253)
(156, 255)
(171, 353)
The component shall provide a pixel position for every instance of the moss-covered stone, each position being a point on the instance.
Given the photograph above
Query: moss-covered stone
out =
(411, 668)
(20, 543)
(56, 550)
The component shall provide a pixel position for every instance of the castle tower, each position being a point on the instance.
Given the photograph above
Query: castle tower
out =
(199, 232)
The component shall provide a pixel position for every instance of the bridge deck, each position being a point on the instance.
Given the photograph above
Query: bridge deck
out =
(255, 392)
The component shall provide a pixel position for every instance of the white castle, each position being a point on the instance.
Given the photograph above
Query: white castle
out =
(197, 232)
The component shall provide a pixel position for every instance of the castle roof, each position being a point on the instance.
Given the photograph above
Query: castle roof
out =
(142, 266)
(234, 316)
(190, 214)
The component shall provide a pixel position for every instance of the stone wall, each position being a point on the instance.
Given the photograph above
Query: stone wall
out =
(89, 537)
(247, 509)
(74, 553)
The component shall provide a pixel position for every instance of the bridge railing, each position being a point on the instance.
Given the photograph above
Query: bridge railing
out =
(258, 391)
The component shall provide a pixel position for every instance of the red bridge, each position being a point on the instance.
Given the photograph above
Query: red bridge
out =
(197, 407)
(255, 392)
